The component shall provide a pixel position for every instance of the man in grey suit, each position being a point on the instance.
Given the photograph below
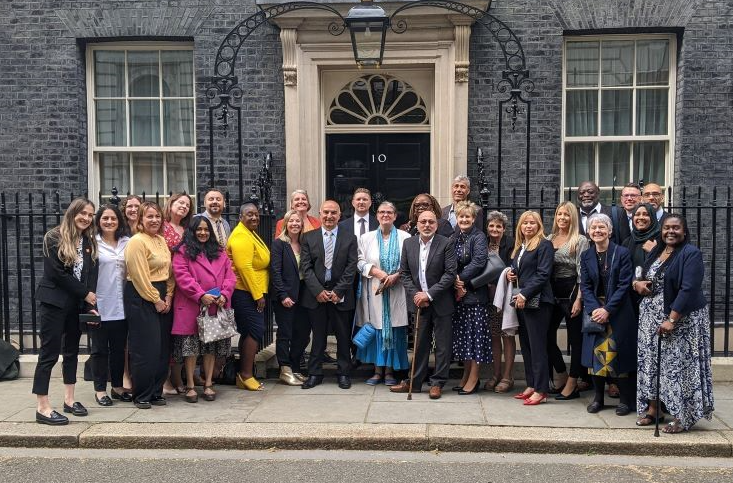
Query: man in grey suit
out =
(328, 263)
(460, 189)
(428, 271)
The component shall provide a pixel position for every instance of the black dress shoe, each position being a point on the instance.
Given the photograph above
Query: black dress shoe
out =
(55, 419)
(344, 382)
(312, 382)
(573, 395)
(124, 397)
(143, 404)
(594, 407)
(158, 401)
(476, 388)
(103, 401)
(77, 409)
(327, 359)
(456, 388)
(622, 410)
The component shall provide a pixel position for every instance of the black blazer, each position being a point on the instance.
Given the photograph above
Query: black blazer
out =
(343, 268)
(348, 225)
(471, 262)
(444, 228)
(535, 272)
(621, 230)
(606, 210)
(58, 284)
(439, 274)
(284, 272)
(506, 245)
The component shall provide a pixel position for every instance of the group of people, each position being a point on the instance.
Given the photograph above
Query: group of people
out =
(625, 280)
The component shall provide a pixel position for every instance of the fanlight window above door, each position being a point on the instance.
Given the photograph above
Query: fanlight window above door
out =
(377, 100)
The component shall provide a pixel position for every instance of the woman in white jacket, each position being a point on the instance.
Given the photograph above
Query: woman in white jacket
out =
(382, 297)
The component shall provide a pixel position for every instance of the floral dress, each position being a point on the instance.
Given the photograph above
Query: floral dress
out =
(686, 380)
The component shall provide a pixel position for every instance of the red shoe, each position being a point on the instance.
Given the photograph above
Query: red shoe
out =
(535, 402)
(522, 395)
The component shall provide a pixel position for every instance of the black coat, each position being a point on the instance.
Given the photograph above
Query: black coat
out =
(535, 272)
(471, 262)
(284, 272)
(343, 268)
(440, 273)
(58, 284)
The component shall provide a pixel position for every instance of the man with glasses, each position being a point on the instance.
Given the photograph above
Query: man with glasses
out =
(428, 271)
(654, 195)
(630, 198)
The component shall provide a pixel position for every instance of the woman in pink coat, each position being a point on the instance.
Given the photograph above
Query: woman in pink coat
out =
(203, 276)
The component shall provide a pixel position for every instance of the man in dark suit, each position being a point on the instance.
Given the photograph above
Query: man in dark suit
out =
(428, 271)
(653, 194)
(630, 199)
(328, 263)
(588, 203)
(460, 189)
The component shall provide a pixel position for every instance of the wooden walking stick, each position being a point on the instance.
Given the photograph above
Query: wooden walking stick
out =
(659, 404)
(414, 353)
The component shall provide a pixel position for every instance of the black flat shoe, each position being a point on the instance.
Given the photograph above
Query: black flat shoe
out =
(77, 409)
(103, 401)
(573, 395)
(344, 382)
(594, 407)
(622, 410)
(158, 401)
(124, 397)
(476, 388)
(55, 419)
(312, 382)
(143, 404)
(457, 388)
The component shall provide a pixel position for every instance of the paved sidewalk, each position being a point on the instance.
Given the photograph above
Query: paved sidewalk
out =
(363, 417)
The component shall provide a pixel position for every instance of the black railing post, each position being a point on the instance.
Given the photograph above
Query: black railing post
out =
(4, 263)
(19, 273)
(714, 229)
(32, 256)
(726, 328)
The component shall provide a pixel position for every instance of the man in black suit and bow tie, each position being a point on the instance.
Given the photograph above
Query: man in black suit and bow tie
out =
(589, 195)
(328, 263)
(428, 271)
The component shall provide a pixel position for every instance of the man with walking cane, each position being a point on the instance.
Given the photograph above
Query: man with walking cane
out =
(427, 271)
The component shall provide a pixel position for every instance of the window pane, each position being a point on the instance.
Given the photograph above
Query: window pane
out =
(579, 163)
(178, 123)
(582, 64)
(143, 73)
(652, 62)
(613, 164)
(651, 111)
(114, 172)
(649, 161)
(177, 73)
(581, 113)
(618, 63)
(616, 112)
(109, 73)
(145, 123)
(111, 125)
(180, 172)
(148, 173)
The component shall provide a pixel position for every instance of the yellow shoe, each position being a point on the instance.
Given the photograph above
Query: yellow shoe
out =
(250, 384)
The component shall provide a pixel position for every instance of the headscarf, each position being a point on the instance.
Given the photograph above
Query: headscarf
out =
(652, 231)
(389, 261)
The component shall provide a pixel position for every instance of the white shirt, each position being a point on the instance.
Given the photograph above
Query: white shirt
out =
(357, 225)
(111, 281)
(424, 252)
(660, 213)
(584, 217)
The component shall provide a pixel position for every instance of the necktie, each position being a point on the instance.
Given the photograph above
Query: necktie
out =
(221, 238)
(452, 218)
(362, 227)
(329, 250)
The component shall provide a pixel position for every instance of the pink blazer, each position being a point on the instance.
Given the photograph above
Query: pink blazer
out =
(193, 279)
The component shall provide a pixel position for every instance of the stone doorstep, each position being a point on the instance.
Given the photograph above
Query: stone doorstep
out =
(395, 437)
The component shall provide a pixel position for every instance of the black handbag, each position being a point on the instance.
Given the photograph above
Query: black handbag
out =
(491, 273)
(591, 327)
(530, 303)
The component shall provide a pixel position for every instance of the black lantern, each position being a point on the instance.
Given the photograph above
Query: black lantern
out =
(367, 24)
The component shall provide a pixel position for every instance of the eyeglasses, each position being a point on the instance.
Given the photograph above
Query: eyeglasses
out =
(630, 195)
(422, 205)
(383, 212)
(653, 194)
(427, 222)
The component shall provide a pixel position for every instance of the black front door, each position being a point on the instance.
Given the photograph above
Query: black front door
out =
(395, 167)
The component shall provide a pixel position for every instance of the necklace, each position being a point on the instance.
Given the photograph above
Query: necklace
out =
(668, 250)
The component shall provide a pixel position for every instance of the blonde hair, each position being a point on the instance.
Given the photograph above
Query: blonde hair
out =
(286, 218)
(67, 235)
(535, 240)
(573, 229)
(467, 206)
(141, 214)
(300, 192)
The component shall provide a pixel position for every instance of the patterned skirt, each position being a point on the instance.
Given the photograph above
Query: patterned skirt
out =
(190, 345)
(471, 333)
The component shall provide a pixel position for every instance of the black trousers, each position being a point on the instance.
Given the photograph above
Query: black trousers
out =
(533, 327)
(293, 334)
(60, 334)
(565, 290)
(441, 327)
(320, 318)
(108, 353)
(149, 336)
